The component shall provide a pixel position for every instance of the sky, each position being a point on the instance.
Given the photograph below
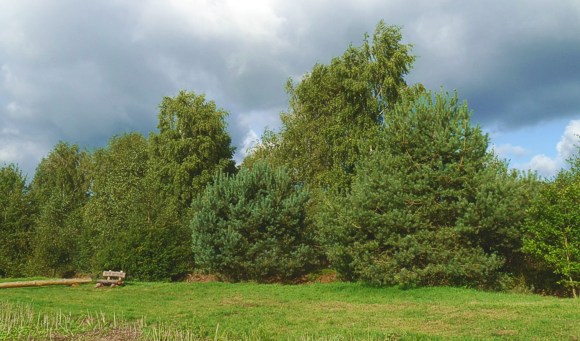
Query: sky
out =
(84, 71)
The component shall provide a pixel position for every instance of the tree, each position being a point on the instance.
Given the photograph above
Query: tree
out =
(15, 222)
(60, 189)
(336, 111)
(553, 225)
(416, 214)
(191, 146)
(117, 210)
(253, 226)
(125, 217)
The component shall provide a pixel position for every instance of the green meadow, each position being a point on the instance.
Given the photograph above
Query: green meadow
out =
(249, 311)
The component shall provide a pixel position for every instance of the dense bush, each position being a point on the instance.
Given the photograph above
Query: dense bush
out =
(253, 226)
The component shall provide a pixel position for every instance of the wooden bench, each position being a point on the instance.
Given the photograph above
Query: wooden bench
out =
(114, 278)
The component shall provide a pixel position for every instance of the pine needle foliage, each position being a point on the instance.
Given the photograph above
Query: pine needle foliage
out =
(253, 226)
(418, 212)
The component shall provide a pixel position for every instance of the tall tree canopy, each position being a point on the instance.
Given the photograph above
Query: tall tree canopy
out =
(15, 222)
(336, 110)
(553, 225)
(192, 145)
(128, 222)
(117, 209)
(418, 212)
(60, 189)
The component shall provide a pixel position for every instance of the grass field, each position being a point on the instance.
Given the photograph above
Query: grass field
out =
(336, 311)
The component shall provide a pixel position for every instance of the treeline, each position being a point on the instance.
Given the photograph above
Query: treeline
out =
(386, 183)
(125, 206)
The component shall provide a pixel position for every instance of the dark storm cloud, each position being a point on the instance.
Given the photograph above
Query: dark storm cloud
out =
(513, 61)
(84, 71)
(535, 82)
(76, 72)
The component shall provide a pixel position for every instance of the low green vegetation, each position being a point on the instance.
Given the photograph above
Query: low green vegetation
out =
(335, 311)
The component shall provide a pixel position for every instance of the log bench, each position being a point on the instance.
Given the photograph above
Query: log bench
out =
(113, 278)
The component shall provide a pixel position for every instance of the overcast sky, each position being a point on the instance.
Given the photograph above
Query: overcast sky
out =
(83, 71)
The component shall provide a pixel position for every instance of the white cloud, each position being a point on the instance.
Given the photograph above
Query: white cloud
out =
(566, 147)
(250, 141)
(245, 127)
(221, 19)
(544, 165)
(507, 150)
(570, 141)
(26, 154)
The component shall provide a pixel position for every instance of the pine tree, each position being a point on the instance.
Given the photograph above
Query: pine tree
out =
(253, 226)
(410, 217)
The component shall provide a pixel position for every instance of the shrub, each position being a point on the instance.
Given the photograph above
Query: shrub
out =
(253, 226)
(553, 226)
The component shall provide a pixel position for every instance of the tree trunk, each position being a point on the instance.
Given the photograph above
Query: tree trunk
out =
(569, 266)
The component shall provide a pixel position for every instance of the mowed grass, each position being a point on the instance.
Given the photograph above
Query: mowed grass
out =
(337, 311)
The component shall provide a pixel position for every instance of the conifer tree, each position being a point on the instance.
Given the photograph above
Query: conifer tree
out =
(416, 214)
(253, 226)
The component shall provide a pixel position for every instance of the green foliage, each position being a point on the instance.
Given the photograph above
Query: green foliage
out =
(128, 223)
(126, 207)
(191, 146)
(253, 226)
(60, 190)
(553, 226)
(15, 222)
(402, 184)
(336, 110)
(418, 212)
